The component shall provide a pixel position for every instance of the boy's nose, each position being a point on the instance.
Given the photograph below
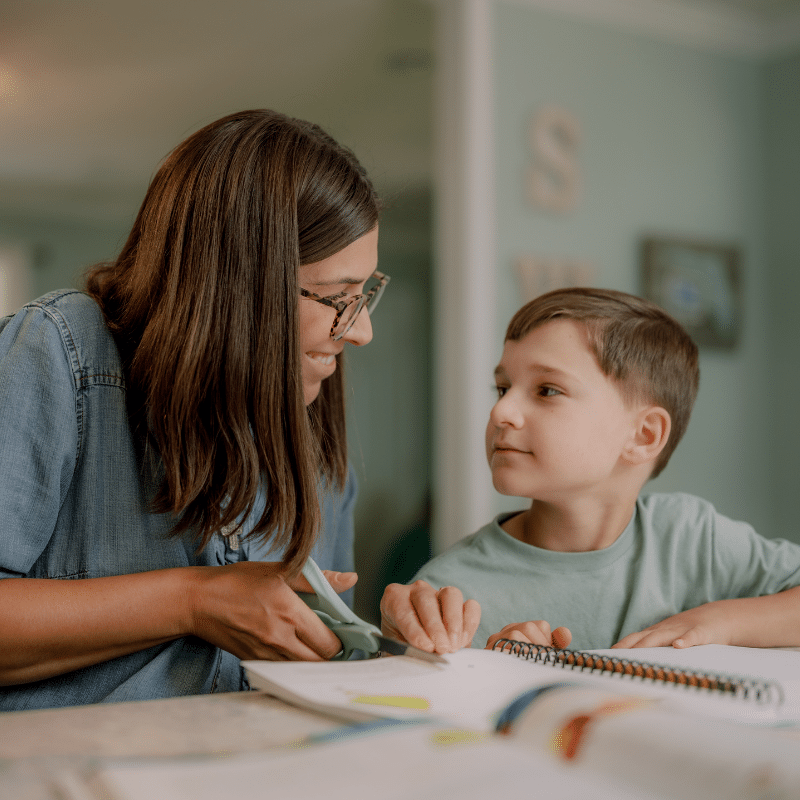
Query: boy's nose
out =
(505, 412)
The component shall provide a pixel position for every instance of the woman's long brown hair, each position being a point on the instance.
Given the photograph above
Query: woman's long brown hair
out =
(202, 301)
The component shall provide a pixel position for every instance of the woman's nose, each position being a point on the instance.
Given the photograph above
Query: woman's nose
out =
(361, 332)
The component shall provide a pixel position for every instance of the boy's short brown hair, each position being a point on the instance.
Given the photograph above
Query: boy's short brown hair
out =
(635, 342)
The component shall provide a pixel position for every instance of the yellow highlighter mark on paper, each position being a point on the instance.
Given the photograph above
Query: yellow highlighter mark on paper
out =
(396, 701)
(450, 736)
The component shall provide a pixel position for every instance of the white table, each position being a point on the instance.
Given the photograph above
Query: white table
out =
(36, 746)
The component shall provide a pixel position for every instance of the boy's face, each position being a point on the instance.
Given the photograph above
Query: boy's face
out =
(560, 425)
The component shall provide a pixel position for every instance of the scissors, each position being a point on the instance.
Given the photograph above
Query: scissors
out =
(354, 632)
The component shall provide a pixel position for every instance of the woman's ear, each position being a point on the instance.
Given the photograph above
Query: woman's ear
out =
(652, 432)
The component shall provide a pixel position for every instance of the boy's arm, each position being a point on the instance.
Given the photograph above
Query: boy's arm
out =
(434, 620)
(769, 621)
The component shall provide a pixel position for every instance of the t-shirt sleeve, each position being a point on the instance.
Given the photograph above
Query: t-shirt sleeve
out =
(753, 565)
(38, 435)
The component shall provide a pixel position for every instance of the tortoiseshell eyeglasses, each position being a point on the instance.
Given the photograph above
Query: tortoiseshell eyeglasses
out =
(347, 310)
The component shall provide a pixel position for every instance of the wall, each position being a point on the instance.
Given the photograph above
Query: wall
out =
(60, 248)
(778, 397)
(671, 142)
(389, 408)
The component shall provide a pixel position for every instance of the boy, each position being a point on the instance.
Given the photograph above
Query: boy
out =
(595, 389)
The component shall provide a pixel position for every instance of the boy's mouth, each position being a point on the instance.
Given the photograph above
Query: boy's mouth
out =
(506, 448)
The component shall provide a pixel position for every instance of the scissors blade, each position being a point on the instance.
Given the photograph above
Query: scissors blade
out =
(396, 648)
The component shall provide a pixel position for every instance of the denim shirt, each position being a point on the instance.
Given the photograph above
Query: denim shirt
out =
(73, 501)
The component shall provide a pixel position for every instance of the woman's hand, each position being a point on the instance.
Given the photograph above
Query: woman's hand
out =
(536, 632)
(434, 620)
(251, 610)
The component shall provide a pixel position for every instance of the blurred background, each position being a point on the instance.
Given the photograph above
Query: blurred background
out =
(647, 145)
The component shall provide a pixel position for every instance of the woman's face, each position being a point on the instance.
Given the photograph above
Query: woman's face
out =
(337, 277)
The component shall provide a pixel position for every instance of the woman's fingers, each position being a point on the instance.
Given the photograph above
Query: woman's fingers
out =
(339, 581)
(251, 611)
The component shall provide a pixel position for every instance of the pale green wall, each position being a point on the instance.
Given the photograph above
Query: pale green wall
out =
(779, 398)
(390, 404)
(60, 248)
(672, 143)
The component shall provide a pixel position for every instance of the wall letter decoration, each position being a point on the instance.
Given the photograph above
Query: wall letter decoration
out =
(554, 178)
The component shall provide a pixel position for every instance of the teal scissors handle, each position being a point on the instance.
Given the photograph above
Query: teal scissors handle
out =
(354, 632)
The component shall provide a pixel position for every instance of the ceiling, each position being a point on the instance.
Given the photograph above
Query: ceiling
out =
(93, 93)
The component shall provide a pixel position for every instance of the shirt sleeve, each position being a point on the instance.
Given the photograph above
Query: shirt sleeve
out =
(38, 435)
(334, 546)
(753, 565)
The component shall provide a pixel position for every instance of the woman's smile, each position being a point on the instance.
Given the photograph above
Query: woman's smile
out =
(326, 359)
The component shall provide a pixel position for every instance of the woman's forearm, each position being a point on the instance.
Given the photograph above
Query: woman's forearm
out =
(49, 627)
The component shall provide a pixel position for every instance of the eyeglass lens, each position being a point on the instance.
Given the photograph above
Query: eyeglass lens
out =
(369, 299)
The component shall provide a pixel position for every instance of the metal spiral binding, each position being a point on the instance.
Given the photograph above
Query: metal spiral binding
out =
(755, 689)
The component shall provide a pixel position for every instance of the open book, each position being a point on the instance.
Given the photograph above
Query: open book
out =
(488, 723)
(476, 687)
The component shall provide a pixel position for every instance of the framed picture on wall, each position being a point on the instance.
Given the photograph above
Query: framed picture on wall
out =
(698, 283)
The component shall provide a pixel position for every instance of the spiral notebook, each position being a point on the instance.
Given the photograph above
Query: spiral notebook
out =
(636, 665)
(475, 688)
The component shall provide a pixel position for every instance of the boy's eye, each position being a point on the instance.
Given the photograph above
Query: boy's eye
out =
(500, 390)
(548, 391)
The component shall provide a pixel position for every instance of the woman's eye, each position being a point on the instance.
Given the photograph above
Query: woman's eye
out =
(338, 296)
(500, 390)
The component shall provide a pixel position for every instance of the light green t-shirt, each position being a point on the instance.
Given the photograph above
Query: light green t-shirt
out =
(676, 553)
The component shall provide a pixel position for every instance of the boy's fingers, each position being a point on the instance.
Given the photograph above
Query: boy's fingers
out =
(629, 641)
(399, 617)
(544, 628)
(534, 632)
(562, 637)
(430, 619)
(539, 634)
(425, 601)
(472, 618)
(451, 603)
(693, 637)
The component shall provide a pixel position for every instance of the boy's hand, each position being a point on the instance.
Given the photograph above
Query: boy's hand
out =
(535, 632)
(711, 623)
(434, 620)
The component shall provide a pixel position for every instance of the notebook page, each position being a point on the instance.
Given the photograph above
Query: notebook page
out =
(470, 690)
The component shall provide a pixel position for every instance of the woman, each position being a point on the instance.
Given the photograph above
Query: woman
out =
(173, 440)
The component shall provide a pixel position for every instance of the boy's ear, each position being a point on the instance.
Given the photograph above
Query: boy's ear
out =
(652, 432)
